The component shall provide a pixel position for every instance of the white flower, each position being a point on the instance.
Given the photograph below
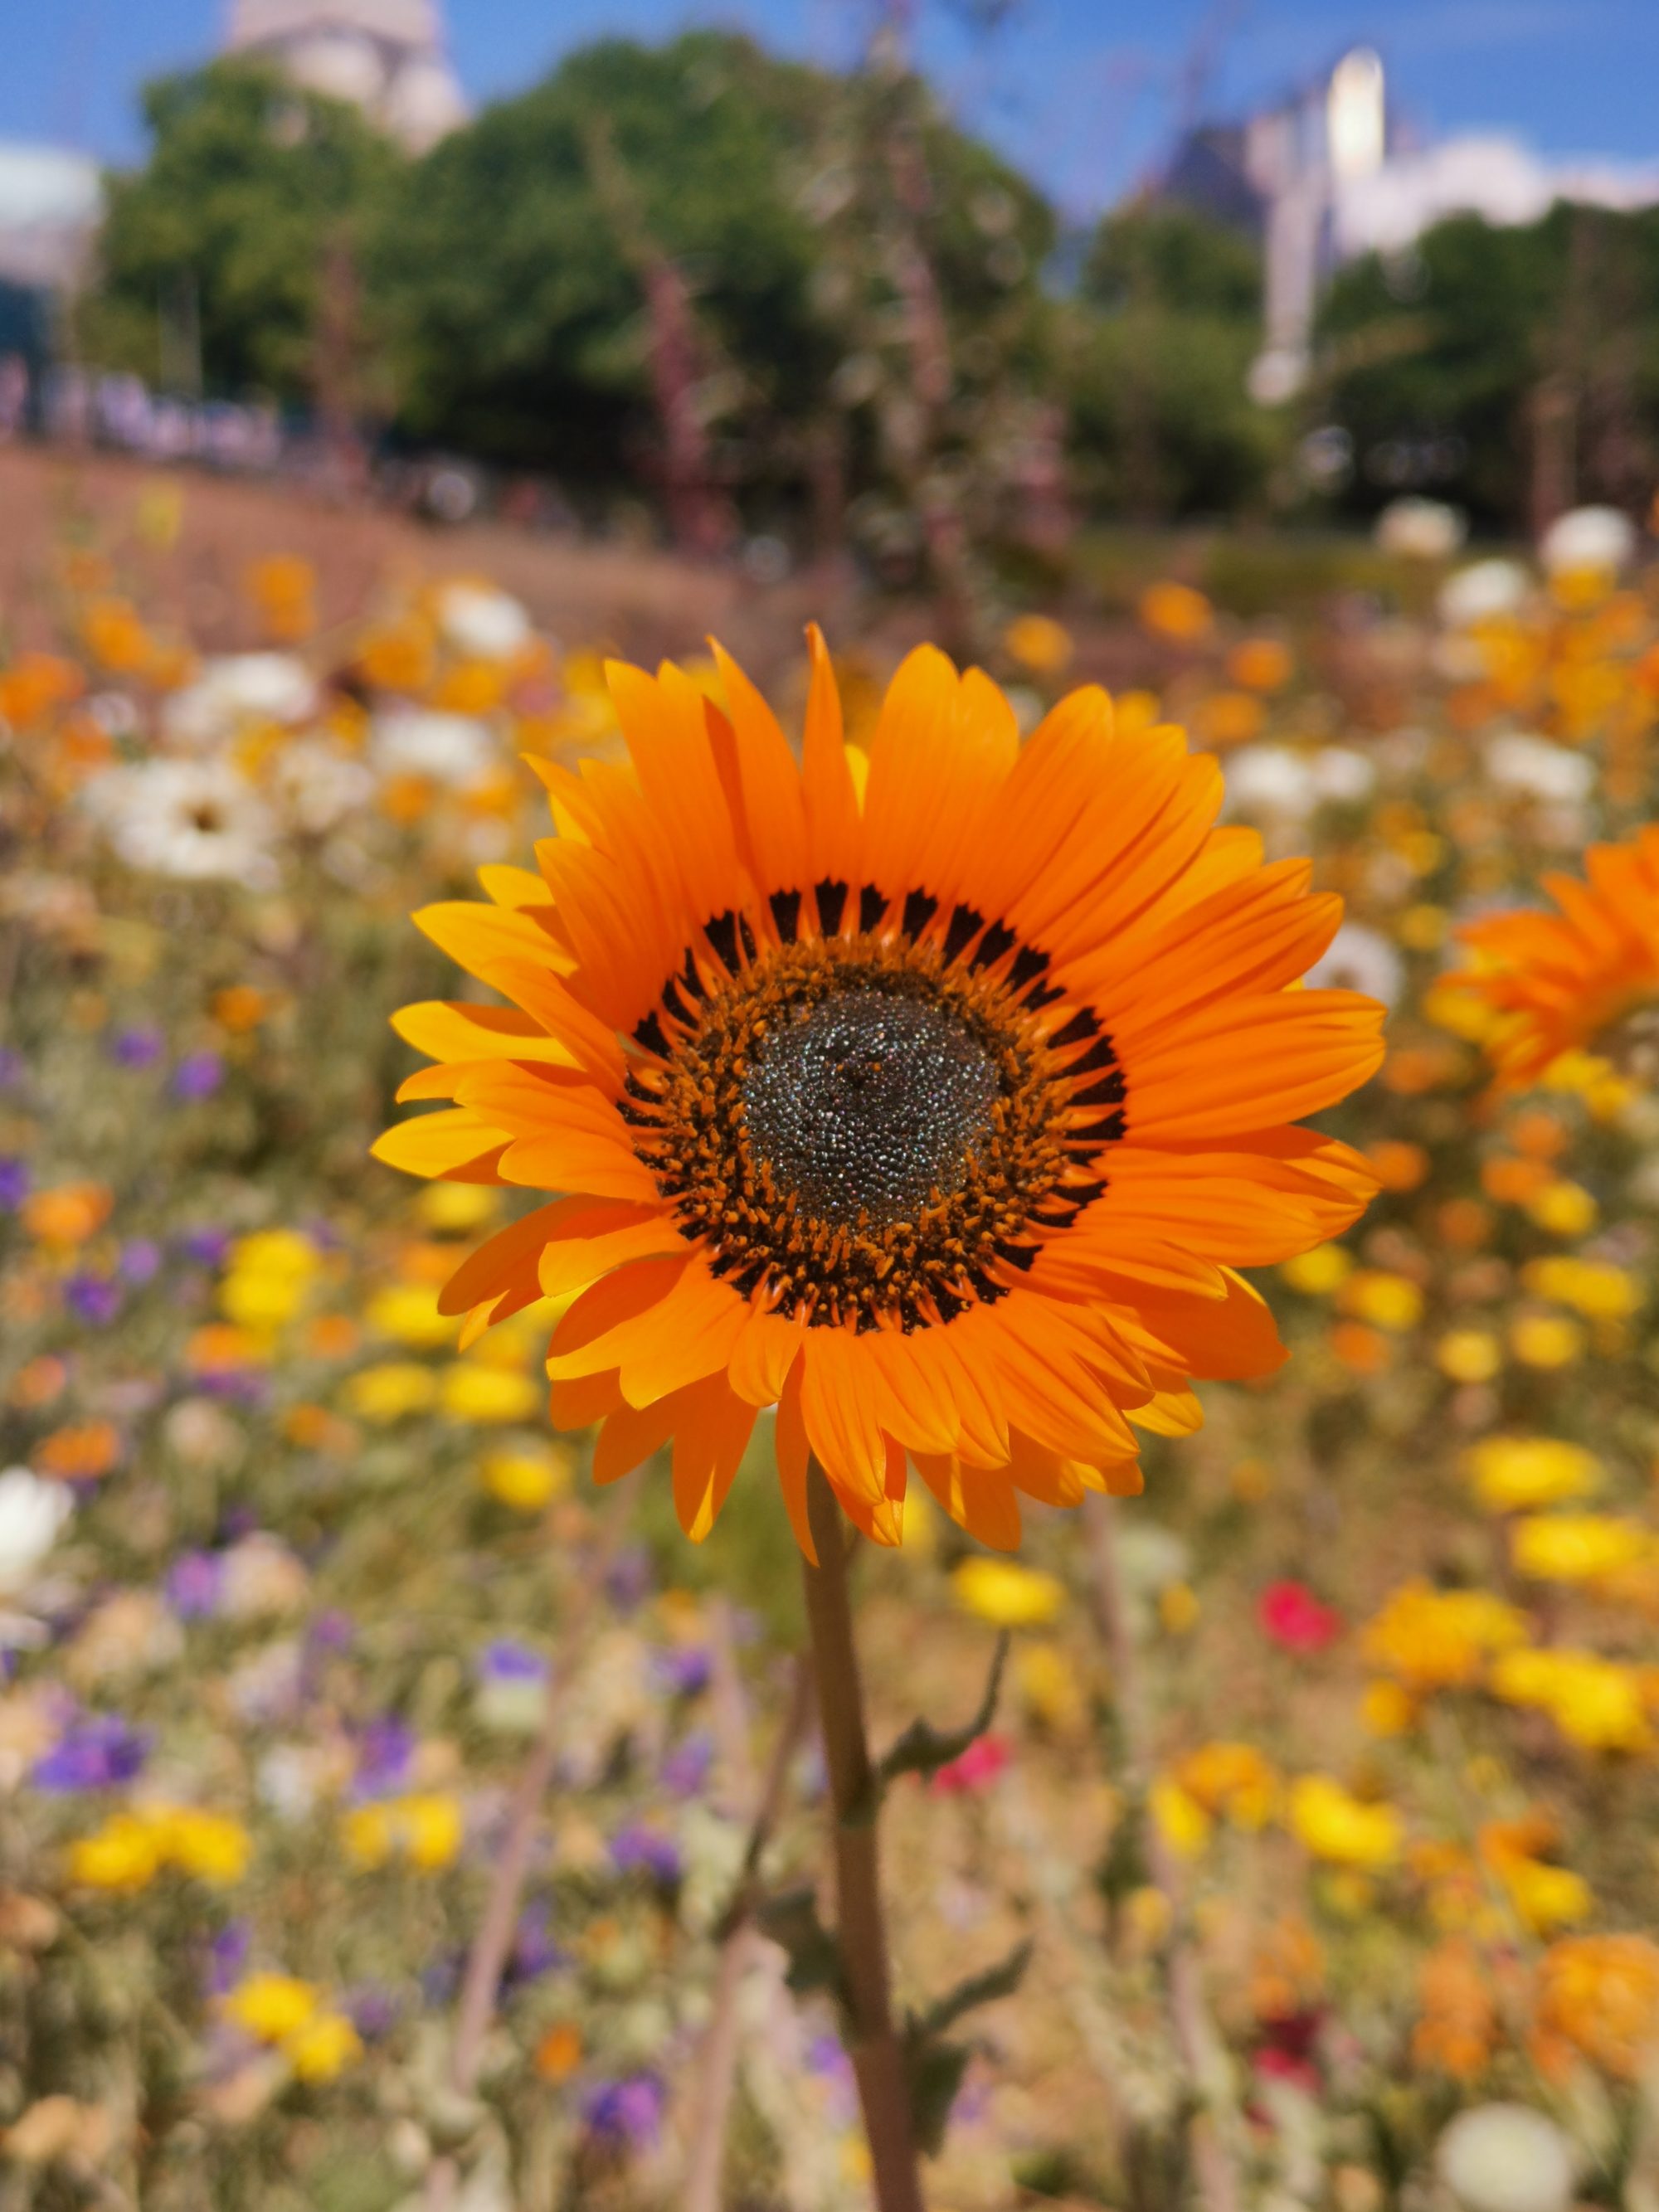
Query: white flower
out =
(1421, 529)
(1269, 780)
(449, 748)
(1482, 592)
(1538, 770)
(261, 1577)
(484, 623)
(1507, 2157)
(1343, 777)
(1359, 959)
(319, 785)
(199, 821)
(240, 688)
(1599, 538)
(31, 1514)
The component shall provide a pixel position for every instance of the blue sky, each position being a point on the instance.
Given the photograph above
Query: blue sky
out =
(1083, 92)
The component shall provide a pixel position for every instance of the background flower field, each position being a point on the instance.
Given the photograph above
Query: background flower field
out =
(1323, 1779)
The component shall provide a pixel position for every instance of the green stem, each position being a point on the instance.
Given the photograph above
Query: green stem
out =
(861, 1930)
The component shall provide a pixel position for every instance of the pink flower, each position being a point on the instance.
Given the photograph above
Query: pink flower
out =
(1293, 1618)
(981, 1763)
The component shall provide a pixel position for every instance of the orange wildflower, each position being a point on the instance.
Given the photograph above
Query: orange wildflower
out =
(1458, 2029)
(1176, 612)
(68, 1213)
(80, 1452)
(937, 1114)
(1562, 982)
(34, 685)
(1597, 1998)
(283, 587)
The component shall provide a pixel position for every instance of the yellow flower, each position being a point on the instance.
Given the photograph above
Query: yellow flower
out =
(271, 2007)
(1386, 1301)
(1233, 1780)
(1566, 1209)
(526, 1480)
(1387, 1710)
(1546, 1340)
(1007, 1595)
(269, 1276)
(122, 1855)
(1341, 1829)
(323, 2048)
(1545, 1897)
(1431, 1639)
(1594, 1702)
(210, 1846)
(1594, 1288)
(1318, 1272)
(1047, 1682)
(1038, 643)
(456, 1209)
(1183, 1821)
(409, 1312)
(1512, 1474)
(426, 1829)
(392, 1390)
(1577, 1547)
(1469, 1355)
(471, 1391)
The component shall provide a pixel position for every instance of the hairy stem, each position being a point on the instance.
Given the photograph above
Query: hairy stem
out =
(861, 1931)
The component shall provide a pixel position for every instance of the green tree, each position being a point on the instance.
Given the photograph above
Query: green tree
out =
(1513, 369)
(514, 273)
(250, 187)
(1167, 323)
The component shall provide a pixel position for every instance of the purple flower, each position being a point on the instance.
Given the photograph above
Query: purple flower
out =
(636, 1847)
(93, 1753)
(14, 1183)
(386, 1751)
(332, 1631)
(141, 1260)
(93, 1298)
(13, 1068)
(627, 2114)
(534, 1951)
(683, 1671)
(628, 1581)
(195, 1584)
(207, 1247)
(685, 1770)
(227, 1957)
(504, 1661)
(373, 2012)
(197, 1075)
(136, 1048)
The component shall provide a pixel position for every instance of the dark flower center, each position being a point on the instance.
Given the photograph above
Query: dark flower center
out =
(868, 1104)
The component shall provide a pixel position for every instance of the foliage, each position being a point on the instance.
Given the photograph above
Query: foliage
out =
(1167, 327)
(1438, 361)
(251, 186)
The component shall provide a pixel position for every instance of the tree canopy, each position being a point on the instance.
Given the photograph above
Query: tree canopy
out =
(250, 183)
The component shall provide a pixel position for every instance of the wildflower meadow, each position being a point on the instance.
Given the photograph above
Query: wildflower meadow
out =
(428, 1776)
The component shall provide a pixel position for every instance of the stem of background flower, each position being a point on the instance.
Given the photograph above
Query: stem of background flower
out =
(860, 1932)
(1189, 2020)
(487, 1961)
(717, 2071)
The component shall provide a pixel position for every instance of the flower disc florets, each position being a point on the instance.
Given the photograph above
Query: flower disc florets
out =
(870, 1130)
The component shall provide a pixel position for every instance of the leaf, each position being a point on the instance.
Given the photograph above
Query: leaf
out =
(923, 1749)
(1000, 1980)
(790, 1919)
(933, 2072)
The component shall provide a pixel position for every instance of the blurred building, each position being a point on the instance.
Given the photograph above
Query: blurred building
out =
(386, 57)
(50, 201)
(1326, 174)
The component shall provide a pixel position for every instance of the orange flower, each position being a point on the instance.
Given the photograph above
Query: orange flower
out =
(115, 635)
(1598, 1998)
(34, 685)
(283, 587)
(1259, 663)
(1458, 2029)
(1561, 981)
(938, 1116)
(1176, 612)
(81, 1452)
(68, 1213)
